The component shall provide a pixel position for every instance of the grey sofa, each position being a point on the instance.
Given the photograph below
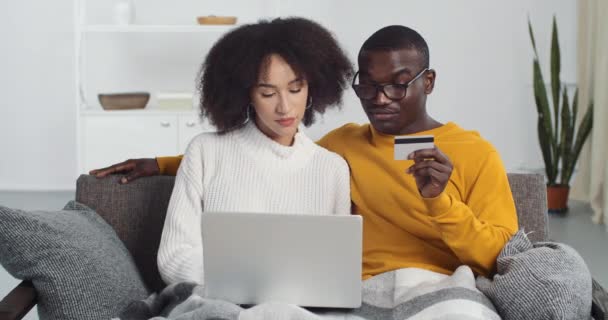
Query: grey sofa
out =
(137, 212)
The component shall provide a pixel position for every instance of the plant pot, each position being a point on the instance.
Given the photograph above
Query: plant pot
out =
(557, 198)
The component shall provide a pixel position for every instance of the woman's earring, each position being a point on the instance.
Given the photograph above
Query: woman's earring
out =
(248, 118)
(309, 105)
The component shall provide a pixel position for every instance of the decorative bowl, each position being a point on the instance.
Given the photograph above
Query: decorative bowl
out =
(123, 101)
(216, 20)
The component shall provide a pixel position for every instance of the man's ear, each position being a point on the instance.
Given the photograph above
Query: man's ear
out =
(429, 81)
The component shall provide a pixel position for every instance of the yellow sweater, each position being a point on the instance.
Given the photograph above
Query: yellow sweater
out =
(468, 224)
(169, 165)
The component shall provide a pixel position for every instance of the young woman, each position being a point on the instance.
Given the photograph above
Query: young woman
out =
(258, 84)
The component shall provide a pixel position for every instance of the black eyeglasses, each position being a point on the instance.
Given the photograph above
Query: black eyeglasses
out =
(393, 91)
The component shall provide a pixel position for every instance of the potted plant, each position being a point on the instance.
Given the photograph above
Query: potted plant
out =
(559, 136)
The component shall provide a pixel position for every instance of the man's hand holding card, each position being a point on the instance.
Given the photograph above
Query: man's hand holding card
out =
(431, 169)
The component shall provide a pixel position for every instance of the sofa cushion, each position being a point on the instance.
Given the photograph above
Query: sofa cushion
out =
(79, 267)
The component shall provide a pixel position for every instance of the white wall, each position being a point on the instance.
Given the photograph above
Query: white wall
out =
(37, 135)
(480, 49)
(483, 58)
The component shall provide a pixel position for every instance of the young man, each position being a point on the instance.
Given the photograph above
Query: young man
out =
(442, 208)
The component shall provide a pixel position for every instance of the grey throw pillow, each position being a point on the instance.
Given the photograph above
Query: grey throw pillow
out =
(544, 280)
(79, 267)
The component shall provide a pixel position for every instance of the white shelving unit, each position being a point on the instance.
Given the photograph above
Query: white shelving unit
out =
(157, 28)
(107, 137)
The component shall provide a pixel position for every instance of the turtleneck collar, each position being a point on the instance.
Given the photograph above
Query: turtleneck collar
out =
(254, 140)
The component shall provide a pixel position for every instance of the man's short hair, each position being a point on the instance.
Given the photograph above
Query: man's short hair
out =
(394, 38)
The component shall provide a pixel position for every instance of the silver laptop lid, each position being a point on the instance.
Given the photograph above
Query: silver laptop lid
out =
(312, 261)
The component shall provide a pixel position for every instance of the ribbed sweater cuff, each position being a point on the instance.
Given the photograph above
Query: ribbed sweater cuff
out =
(168, 165)
(438, 205)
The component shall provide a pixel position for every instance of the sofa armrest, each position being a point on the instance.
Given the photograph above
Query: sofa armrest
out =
(599, 308)
(136, 211)
(18, 302)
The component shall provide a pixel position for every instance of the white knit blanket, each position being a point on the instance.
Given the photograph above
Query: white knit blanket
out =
(409, 293)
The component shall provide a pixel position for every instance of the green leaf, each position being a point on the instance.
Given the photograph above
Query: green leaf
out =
(581, 136)
(555, 74)
(532, 38)
(545, 148)
(574, 108)
(567, 133)
(547, 141)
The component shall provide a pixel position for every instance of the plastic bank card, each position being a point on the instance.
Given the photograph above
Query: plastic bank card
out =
(404, 145)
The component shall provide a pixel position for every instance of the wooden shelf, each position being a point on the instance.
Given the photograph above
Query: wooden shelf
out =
(138, 112)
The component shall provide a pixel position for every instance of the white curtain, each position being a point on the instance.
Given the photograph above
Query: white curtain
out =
(591, 182)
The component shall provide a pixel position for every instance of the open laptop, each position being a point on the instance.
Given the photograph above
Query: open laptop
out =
(309, 261)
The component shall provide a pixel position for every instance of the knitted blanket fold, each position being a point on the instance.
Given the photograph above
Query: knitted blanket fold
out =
(410, 293)
(542, 280)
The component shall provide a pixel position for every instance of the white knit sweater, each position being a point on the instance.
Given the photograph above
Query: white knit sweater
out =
(245, 171)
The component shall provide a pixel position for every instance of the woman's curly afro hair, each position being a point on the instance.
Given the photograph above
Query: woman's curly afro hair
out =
(232, 68)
